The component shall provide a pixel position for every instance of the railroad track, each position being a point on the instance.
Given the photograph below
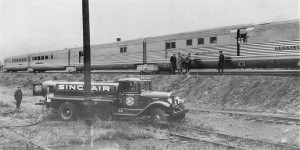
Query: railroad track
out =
(217, 140)
(197, 72)
(269, 144)
(178, 132)
(259, 117)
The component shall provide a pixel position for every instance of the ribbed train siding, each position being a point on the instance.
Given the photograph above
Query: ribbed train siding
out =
(271, 39)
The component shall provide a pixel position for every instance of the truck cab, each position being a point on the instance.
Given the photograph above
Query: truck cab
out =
(131, 97)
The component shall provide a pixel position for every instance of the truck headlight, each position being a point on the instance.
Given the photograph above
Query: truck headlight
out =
(170, 100)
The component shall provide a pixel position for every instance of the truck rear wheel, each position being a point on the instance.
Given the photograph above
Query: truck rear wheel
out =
(67, 111)
(159, 117)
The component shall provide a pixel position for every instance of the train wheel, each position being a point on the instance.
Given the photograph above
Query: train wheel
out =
(67, 111)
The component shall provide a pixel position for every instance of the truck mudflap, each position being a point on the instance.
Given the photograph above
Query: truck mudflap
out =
(178, 113)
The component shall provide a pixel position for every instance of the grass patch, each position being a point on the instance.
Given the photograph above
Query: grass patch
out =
(4, 104)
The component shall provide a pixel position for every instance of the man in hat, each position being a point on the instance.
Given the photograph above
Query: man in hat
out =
(179, 63)
(221, 63)
(188, 62)
(18, 98)
(173, 63)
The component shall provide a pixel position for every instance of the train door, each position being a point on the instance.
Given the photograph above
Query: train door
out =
(80, 57)
(28, 61)
(241, 35)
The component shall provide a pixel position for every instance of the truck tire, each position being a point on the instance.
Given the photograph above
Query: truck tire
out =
(159, 117)
(67, 111)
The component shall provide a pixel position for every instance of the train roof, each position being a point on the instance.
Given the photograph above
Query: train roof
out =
(197, 33)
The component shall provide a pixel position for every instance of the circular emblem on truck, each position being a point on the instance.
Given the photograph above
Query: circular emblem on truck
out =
(129, 101)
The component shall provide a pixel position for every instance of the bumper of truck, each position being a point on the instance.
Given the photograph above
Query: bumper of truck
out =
(177, 113)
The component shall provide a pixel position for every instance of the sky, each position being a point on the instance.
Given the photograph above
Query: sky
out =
(30, 26)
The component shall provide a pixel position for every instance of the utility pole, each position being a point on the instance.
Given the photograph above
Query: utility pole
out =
(238, 37)
(89, 117)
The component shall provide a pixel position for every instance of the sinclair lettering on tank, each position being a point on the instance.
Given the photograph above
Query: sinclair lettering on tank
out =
(100, 88)
(293, 47)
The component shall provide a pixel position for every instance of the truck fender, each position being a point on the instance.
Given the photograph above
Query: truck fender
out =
(153, 104)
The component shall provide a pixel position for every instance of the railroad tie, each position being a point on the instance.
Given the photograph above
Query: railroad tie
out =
(280, 122)
(289, 122)
(269, 121)
(259, 120)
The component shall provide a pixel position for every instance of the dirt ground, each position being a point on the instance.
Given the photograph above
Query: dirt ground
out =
(253, 93)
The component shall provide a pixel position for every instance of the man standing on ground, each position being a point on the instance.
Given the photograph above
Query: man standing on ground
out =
(18, 98)
(179, 63)
(221, 63)
(173, 63)
(188, 63)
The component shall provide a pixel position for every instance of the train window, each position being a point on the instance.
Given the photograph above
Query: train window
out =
(243, 38)
(200, 41)
(123, 49)
(170, 45)
(42, 57)
(213, 39)
(51, 56)
(46, 57)
(39, 58)
(173, 45)
(189, 42)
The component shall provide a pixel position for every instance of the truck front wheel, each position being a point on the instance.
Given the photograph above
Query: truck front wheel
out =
(159, 117)
(67, 111)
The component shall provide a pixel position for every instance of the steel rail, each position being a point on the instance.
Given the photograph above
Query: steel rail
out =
(245, 138)
(295, 118)
(196, 72)
(205, 140)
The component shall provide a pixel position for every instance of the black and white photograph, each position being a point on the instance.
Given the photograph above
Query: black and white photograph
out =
(149, 74)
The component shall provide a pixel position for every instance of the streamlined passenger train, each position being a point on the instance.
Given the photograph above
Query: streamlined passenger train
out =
(267, 45)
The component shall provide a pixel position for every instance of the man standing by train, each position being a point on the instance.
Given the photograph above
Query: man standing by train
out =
(179, 63)
(173, 63)
(18, 98)
(188, 63)
(221, 63)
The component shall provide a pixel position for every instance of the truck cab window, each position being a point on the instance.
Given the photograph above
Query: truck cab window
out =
(128, 87)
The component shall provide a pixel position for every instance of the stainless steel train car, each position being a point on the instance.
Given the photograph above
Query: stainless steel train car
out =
(267, 45)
